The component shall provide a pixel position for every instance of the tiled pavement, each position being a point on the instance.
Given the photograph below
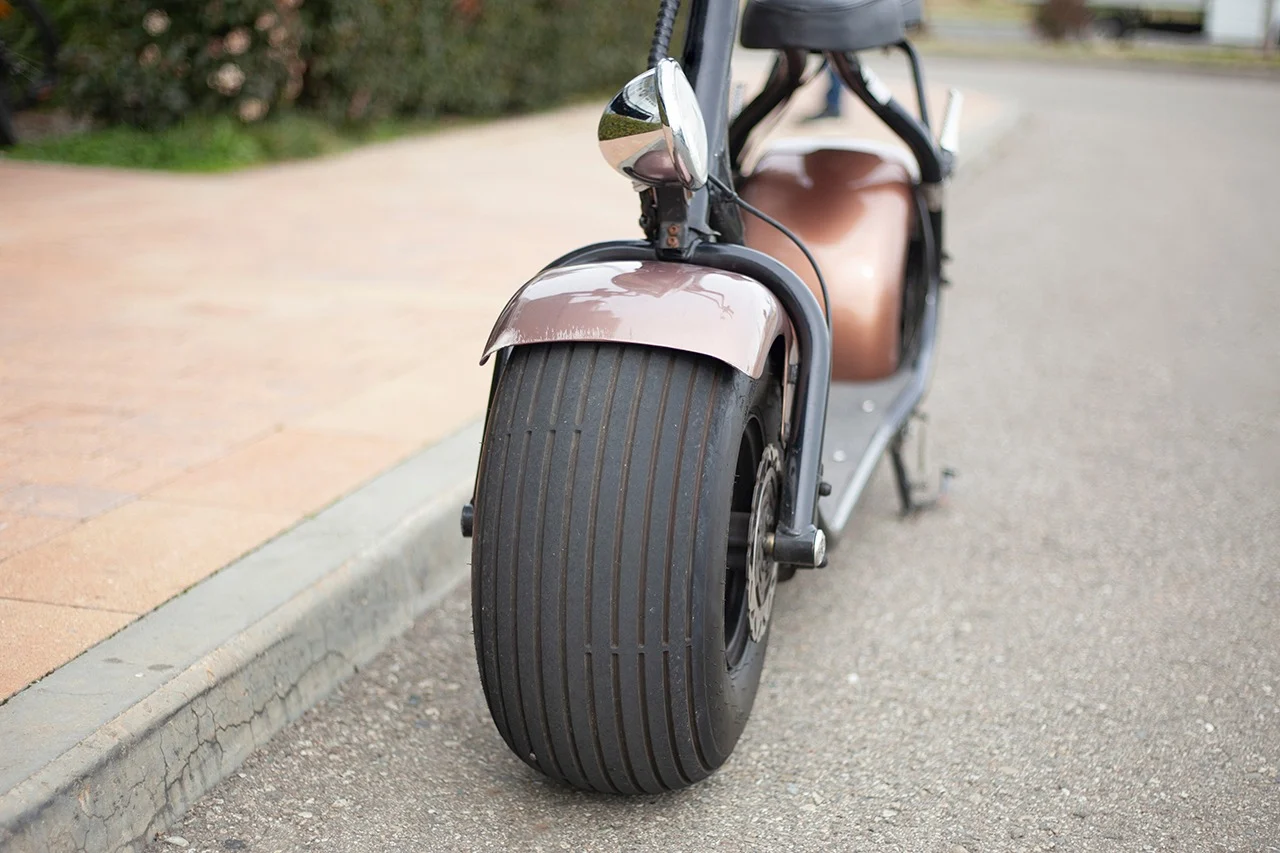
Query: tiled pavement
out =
(190, 365)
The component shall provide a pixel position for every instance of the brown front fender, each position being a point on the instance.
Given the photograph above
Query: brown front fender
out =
(696, 309)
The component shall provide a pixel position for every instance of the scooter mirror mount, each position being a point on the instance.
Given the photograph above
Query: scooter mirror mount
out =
(653, 131)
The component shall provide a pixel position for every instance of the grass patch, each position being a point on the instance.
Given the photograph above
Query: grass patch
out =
(214, 144)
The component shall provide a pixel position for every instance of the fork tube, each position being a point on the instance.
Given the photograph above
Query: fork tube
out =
(708, 54)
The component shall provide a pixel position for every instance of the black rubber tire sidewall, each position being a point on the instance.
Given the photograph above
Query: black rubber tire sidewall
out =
(737, 687)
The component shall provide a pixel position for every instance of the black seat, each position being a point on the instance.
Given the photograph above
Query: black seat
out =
(827, 25)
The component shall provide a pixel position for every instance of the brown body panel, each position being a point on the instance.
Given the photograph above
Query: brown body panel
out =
(852, 207)
(720, 314)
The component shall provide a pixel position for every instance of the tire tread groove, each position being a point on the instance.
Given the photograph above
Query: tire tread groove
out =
(615, 663)
(646, 700)
(597, 471)
(668, 565)
(540, 708)
(518, 514)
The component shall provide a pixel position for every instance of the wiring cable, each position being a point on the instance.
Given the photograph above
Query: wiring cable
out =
(757, 212)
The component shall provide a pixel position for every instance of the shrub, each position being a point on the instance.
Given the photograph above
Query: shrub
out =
(152, 63)
(470, 57)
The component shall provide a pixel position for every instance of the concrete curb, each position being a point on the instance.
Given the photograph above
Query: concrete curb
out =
(113, 747)
(116, 745)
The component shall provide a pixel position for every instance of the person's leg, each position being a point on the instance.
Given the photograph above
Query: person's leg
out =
(834, 88)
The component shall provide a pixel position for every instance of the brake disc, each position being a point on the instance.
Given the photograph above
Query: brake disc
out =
(762, 572)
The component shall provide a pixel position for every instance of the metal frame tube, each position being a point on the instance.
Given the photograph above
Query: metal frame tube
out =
(917, 74)
(707, 62)
(784, 78)
(901, 122)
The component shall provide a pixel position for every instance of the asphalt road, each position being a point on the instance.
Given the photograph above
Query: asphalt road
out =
(1081, 652)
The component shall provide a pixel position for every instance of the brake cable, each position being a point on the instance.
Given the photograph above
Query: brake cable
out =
(757, 212)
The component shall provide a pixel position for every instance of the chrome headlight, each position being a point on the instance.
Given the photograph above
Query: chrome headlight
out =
(653, 132)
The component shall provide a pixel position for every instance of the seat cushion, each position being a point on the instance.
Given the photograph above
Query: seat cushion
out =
(827, 25)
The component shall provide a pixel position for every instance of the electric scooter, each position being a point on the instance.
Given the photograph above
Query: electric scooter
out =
(678, 423)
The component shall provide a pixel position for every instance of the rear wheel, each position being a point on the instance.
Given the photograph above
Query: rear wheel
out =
(620, 594)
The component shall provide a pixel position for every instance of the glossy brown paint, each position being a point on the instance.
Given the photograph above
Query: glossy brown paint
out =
(852, 208)
(697, 309)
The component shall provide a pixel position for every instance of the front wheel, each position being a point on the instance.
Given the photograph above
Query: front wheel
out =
(620, 593)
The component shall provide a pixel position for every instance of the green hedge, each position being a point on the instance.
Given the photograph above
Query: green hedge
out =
(150, 63)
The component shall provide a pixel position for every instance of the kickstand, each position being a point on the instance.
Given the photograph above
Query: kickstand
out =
(913, 494)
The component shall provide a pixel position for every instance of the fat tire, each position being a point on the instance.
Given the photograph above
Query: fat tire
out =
(599, 562)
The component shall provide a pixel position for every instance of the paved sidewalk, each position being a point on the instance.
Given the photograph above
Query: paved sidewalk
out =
(191, 365)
